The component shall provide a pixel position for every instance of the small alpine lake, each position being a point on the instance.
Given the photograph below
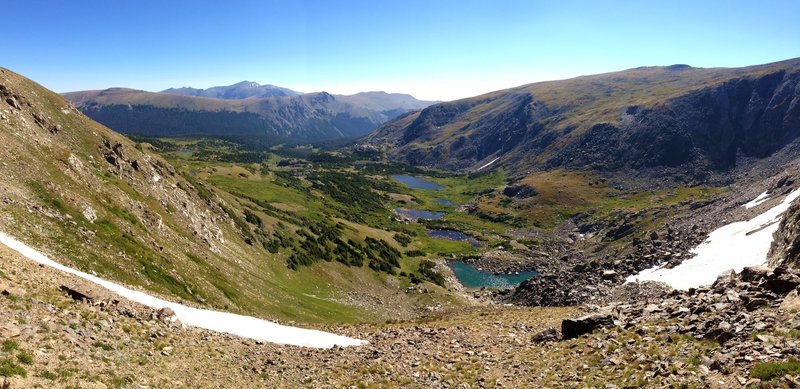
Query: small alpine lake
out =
(470, 277)
(417, 183)
(416, 214)
(454, 235)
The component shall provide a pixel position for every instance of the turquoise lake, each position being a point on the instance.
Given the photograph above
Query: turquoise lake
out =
(472, 278)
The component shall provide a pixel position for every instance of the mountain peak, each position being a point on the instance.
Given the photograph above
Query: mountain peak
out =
(238, 91)
(679, 66)
(249, 84)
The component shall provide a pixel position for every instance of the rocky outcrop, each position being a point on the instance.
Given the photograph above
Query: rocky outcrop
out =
(785, 249)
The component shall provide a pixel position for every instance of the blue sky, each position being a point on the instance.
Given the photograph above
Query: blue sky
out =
(431, 49)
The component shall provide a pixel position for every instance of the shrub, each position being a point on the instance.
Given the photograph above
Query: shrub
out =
(769, 370)
(25, 358)
(427, 272)
(9, 345)
(9, 369)
(252, 218)
(103, 346)
(403, 239)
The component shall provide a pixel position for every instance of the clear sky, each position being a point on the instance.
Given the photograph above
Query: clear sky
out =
(434, 49)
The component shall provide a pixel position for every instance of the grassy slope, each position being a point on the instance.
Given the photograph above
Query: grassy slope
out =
(196, 255)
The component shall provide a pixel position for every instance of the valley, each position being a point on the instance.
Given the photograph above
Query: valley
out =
(471, 273)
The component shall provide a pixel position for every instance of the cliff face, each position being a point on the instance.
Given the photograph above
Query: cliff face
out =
(670, 117)
(750, 116)
(785, 249)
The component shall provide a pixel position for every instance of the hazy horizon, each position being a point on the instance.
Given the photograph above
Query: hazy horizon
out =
(441, 51)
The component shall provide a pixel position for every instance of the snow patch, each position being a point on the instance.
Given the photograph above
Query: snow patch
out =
(733, 246)
(757, 201)
(244, 326)
(488, 164)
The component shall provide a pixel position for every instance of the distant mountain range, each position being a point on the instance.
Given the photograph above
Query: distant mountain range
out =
(669, 120)
(243, 110)
(241, 90)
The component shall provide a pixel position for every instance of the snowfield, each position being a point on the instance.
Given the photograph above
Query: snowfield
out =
(757, 201)
(244, 326)
(489, 164)
(733, 246)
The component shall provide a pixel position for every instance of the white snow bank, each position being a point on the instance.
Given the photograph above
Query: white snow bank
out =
(733, 246)
(244, 326)
(489, 164)
(757, 201)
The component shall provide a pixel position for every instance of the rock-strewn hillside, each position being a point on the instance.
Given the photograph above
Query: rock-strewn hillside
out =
(690, 122)
(741, 330)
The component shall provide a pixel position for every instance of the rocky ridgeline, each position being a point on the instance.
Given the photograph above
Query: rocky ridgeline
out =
(750, 317)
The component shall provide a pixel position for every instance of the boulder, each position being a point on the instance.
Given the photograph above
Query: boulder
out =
(548, 335)
(77, 295)
(573, 328)
(781, 284)
(610, 275)
(791, 302)
(721, 333)
(725, 280)
(166, 315)
(754, 273)
(12, 101)
(755, 303)
(8, 290)
(9, 330)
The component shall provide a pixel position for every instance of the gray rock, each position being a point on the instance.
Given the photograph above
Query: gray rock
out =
(781, 285)
(573, 328)
(720, 334)
(77, 295)
(12, 101)
(725, 280)
(755, 303)
(754, 273)
(548, 335)
(791, 302)
(610, 275)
